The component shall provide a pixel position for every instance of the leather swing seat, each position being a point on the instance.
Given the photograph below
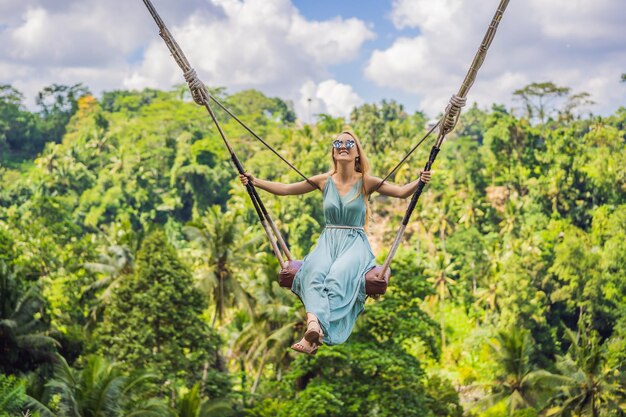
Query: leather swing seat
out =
(374, 285)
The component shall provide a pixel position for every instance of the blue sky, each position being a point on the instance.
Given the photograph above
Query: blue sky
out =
(377, 15)
(339, 54)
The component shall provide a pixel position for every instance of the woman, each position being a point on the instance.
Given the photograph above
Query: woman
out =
(331, 280)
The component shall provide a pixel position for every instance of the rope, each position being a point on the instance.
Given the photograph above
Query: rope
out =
(450, 119)
(199, 92)
(200, 95)
(267, 145)
(432, 129)
(452, 114)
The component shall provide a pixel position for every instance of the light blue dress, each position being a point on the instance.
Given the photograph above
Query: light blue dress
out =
(331, 280)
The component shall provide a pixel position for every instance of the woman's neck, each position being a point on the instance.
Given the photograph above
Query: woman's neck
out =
(345, 171)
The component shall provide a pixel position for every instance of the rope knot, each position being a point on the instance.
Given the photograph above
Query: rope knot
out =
(453, 112)
(199, 92)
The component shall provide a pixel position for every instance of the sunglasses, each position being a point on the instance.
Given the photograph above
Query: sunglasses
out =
(338, 144)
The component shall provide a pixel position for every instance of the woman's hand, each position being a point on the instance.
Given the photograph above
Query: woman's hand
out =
(246, 178)
(425, 176)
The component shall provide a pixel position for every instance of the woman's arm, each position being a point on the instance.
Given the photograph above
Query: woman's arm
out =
(392, 190)
(279, 188)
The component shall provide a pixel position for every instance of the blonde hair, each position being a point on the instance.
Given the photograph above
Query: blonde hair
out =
(361, 164)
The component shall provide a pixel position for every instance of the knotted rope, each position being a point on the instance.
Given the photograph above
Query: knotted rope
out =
(452, 114)
(201, 96)
(199, 92)
(448, 122)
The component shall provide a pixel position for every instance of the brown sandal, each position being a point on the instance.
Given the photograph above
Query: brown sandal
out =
(299, 347)
(315, 336)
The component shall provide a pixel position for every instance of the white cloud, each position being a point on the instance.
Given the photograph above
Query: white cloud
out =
(329, 97)
(256, 44)
(581, 19)
(569, 42)
(239, 44)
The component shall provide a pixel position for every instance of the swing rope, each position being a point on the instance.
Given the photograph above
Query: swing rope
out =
(449, 121)
(446, 124)
(201, 96)
(194, 83)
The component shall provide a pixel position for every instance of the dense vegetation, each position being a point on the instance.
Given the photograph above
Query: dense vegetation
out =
(135, 279)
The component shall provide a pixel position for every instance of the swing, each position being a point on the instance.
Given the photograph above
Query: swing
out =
(377, 278)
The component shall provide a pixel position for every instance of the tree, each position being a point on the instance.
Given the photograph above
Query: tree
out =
(574, 102)
(12, 395)
(370, 122)
(266, 336)
(439, 271)
(24, 340)
(254, 103)
(154, 322)
(58, 103)
(222, 249)
(19, 129)
(190, 404)
(360, 378)
(103, 389)
(538, 99)
(518, 384)
(587, 387)
(328, 124)
(113, 265)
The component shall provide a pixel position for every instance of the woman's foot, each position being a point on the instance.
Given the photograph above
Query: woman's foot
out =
(314, 332)
(304, 346)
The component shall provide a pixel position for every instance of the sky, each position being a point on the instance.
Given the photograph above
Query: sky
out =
(325, 56)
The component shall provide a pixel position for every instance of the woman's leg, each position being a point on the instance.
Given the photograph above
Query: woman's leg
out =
(345, 289)
(309, 286)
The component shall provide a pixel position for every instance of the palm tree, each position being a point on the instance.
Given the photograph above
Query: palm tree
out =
(488, 297)
(116, 263)
(221, 249)
(440, 268)
(470, 210)
(189, 404)
(587, 387)
(440, 222)
(519, 385)
(102, 389)
(329, 124)
(24, 342)
(269, 333)
(12, 394)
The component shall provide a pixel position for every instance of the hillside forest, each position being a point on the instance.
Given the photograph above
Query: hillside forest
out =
(136, 280)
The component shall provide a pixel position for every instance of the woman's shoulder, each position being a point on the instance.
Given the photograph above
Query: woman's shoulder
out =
(370, 181)
(320, 179)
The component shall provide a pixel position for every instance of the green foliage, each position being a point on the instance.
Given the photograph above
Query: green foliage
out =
(24, 340)
(586, 386)
(154, 321)
(58, 104)
(101, 388)
(12, 395)
(398, 316)
(522, 227)
(20, 132)
(355, 379)
(222, 252)
(518, 385)
(190, 404)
